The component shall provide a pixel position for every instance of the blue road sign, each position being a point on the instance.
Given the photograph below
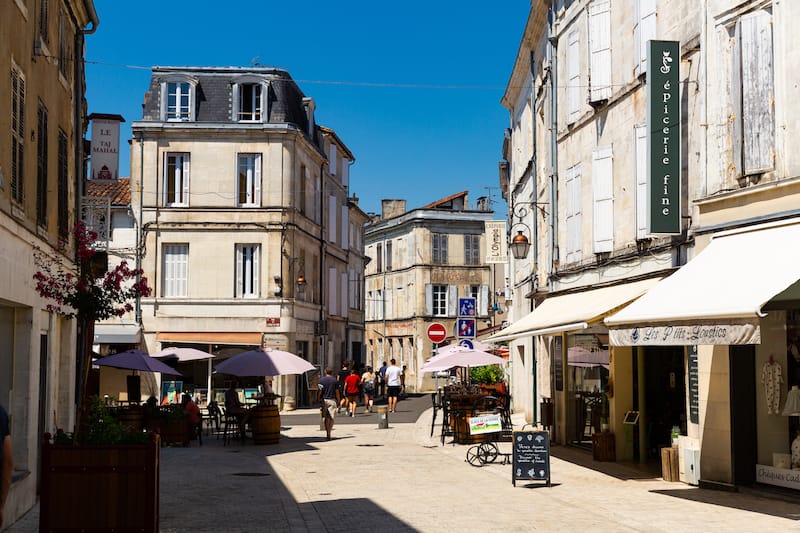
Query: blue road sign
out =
(465, 328)
(467, 307)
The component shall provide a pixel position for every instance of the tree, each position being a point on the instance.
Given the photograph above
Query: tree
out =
(91, 294)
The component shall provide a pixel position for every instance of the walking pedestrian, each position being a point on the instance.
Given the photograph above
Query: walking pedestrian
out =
(340, 377)
(382, 379)
(352, 387)
(368, 388)
(403, 382)
(392, 377)
(328, 396)
(6, 460)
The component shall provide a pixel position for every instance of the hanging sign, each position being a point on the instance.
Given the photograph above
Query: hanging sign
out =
(663, 137)
(496, 245)
(105, 146)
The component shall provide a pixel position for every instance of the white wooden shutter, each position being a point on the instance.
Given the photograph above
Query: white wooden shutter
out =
(345, 227)
(757, 92)
(345, 173)
(389, 305)
(735, 111)
(256, 258)
(483, 301)
(603, 200)
(332, 213)
(185, 180)
(257, 182)
(412, 252)
(239, 270)
(573, 186)
(452, 300)
(600, 50)
(428, 299)
(343, 287)
(573, 77)
(640, 165)
(332, 162)
(644, 30)
(333, 301)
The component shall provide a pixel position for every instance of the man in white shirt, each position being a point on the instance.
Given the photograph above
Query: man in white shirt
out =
(393, 384)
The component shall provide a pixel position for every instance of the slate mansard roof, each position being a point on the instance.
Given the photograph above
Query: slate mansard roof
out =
(214, 93)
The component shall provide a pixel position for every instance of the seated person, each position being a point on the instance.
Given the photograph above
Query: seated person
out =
(193, 412)
(234, 406)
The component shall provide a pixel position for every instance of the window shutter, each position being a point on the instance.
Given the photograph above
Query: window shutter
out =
(332, 211)
(644, 30)
(389, 305)
(428, 299)
(185, 180)
(239, 270)
(345, 300)
(345, 227)
(332, 162)
(483, 301)
(256, 253)
(452, 300)
(333, 301)
(573, 77)
(573, 186)
(603, 196)
(443, 238)
(411, 249)
(640, 153)
(600, 50)
(345, 173)
(257, 184)
(757, 92)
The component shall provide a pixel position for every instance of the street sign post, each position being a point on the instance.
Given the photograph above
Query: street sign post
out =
(437, 333)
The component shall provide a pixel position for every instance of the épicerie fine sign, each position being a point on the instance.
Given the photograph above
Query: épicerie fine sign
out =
(664, 136)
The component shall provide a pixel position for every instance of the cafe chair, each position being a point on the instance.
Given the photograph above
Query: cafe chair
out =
(230, 427)
(436, 406)
(212, 416)
(447, 422)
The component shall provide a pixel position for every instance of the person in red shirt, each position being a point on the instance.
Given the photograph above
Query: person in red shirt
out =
(352, 388)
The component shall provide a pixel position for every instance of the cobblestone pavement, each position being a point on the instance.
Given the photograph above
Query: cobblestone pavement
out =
(401, 479)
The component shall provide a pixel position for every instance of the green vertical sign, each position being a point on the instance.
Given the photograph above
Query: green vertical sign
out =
(664, 137)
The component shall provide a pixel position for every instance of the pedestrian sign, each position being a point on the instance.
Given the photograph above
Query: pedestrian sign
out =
(467, 307)
(466, 328)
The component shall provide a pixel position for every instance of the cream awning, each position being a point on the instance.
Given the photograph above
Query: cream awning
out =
(117, 334)
(574, 311)
(717, 297)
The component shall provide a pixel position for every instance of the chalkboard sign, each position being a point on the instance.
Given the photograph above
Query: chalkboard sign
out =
(531, 456)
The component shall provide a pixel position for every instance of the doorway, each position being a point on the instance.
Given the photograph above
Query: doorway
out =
(664, 396)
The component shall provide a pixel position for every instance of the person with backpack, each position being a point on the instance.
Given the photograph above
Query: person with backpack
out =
(368, 388)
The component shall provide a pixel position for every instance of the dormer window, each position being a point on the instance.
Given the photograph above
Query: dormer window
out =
(177, 102)
(249, 102)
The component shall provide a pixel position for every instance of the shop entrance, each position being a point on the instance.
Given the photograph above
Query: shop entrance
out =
(665, 397)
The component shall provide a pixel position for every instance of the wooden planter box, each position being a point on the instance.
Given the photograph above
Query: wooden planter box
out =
(175, 432)
(93, 488)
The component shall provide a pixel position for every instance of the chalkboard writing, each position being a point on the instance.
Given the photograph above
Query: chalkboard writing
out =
(694, 386)
(531, 456)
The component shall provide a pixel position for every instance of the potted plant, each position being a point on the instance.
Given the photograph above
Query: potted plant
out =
(489, 378)
(103, 478)
(172, 424)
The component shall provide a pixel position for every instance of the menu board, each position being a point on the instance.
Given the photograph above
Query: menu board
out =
(530, 456)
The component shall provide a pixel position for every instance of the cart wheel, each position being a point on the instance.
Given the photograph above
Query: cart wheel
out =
(488, 451)
(474, 456)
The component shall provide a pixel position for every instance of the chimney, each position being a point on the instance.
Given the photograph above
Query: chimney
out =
(392, 208)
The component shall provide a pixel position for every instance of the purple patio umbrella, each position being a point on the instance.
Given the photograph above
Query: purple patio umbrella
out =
(267, 362)
(136, 360)
(183, 354)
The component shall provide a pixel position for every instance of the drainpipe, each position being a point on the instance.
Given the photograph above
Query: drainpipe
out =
(534, 233)
(552, 52)
(140, 232)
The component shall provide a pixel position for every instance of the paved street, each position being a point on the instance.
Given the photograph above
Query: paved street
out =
(399, 479)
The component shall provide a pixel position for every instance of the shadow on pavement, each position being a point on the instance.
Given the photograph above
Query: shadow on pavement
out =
(622, 471)
(735, 500)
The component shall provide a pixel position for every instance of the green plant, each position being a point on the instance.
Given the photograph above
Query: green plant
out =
(486, 374)
(101, 428)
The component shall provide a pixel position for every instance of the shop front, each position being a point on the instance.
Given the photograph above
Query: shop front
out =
(730, 315)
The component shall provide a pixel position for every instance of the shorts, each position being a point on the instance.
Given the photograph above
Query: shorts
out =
(353, 397)
(393, 391)
(329, 408)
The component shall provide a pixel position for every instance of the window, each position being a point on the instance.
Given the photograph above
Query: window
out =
(600, 50)
(17, 135)
(752, 94)
(176, 179)
(388, 256)
(250, 103)
(332, 214)
(63, 186)
(179, 101)
(64, 48)
(440, 300)
(640, 141)
(176, 263)
(439, 248)
(573, 77)
(249, 180)
(379, 257)
(303, 188)
(472, 249)
(573, 186)
(247, 270)
(41, 166)
(44, 22)
(644, 29)
(332, 160)
(603, 199)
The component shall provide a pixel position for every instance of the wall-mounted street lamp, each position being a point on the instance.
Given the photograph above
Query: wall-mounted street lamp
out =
(301, 283)
(520, 244)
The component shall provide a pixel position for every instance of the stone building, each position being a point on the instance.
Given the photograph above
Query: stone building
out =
(41, 166)
(242, 200)
(421, 262)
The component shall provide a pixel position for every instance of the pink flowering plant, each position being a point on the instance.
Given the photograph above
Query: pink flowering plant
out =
(86, 294)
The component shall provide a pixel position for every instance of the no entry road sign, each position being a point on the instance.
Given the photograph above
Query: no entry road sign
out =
(437, 332)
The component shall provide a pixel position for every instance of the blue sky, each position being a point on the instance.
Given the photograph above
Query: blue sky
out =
(413, 88)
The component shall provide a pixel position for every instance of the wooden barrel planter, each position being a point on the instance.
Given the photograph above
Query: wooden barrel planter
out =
(265, 422)
(131, 418)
